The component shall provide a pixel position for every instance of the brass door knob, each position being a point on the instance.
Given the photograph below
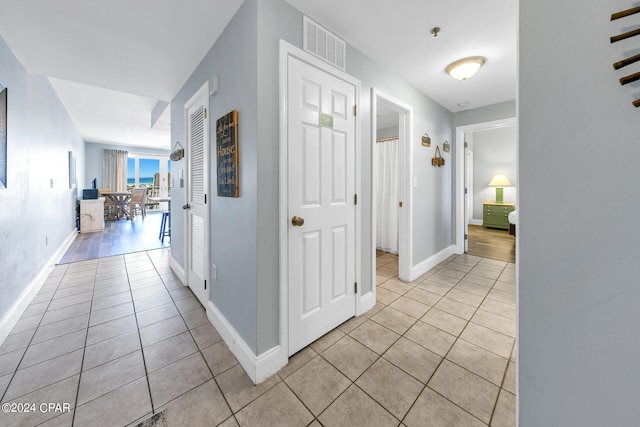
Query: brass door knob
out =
(297, 221)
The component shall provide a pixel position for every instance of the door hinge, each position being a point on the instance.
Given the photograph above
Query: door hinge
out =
(466, 190)
(355, 110)
(205, 199)
(205, 285)
(205, 113)
(400, 204)
(355, 288)
(355, 199)
(466, 237)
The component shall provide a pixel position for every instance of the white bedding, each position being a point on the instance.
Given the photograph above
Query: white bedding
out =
(513, 217)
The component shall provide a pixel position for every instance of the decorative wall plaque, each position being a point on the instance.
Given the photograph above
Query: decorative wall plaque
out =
(227, 154)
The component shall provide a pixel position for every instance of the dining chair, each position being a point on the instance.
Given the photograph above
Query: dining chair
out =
(138, 202)
(109, 206)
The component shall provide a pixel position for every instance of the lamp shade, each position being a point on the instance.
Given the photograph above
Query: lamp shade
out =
(464, 68)
(499, 181)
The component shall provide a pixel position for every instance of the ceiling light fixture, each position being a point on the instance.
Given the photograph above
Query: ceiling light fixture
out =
(464, 68)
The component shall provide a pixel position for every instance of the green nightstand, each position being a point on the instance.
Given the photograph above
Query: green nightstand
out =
(496, 215)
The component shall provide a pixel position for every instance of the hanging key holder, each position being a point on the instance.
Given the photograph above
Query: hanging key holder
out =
(437, 160)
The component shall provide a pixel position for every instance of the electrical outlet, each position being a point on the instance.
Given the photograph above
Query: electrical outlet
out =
(214, 272)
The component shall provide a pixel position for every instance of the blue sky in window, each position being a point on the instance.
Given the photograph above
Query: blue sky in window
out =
(148, 167)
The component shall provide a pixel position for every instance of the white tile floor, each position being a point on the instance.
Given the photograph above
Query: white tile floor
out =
(119, 339)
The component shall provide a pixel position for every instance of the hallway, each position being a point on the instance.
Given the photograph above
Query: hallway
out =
(120, 338)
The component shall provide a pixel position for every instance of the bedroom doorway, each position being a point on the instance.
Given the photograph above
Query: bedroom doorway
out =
(486, 149)
(391, 124)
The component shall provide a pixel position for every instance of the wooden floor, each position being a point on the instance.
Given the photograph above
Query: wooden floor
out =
(118, 237)
(492, 243)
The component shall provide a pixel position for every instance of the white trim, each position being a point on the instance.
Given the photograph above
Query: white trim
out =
(12, 315)
(459, 176)
(367, 301)
(431, 262)
(258, 368)
(405, 248)
(475, 222)
(178, 270)
(200, 94)
(286, 50)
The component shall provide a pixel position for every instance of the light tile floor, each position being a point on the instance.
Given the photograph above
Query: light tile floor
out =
(120, 338)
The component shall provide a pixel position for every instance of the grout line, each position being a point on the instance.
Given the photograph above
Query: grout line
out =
(144, 360)
(84, 350)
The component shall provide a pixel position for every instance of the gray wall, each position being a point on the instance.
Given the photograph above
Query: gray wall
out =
(432, 199)
(389, 132)
(494, 151)
(233, 222)
(503, 110)
(40, 135)
(578, 295)
(94, 154)
(244, 232)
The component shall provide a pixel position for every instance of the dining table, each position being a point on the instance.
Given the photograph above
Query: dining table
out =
(120, 200)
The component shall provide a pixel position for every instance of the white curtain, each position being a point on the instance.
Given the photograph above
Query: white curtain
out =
(114, 170)
(387, 196)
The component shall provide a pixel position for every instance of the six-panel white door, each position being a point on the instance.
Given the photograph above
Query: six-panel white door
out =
(321, 187)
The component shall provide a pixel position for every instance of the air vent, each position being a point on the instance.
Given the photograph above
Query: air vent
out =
(323, 44)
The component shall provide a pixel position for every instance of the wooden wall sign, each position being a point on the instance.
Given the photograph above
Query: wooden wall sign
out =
(227, 154)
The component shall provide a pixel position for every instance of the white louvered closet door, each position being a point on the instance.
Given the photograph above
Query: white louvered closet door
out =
(198, 184)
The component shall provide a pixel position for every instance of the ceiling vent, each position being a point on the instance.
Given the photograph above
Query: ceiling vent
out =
(323, 44)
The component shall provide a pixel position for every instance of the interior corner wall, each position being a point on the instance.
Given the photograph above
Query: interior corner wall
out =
(578, 229)
(276, 20)
(36, 217)
(494, 151)
(233, 222)
(94, 153)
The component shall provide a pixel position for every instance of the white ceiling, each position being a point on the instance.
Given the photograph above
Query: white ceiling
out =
(112, 61)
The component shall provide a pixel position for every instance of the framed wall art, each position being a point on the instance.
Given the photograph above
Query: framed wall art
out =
(227, 155)
(73, 183)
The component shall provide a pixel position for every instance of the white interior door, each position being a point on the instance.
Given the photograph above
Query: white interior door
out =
(197, 188)
(321, 187)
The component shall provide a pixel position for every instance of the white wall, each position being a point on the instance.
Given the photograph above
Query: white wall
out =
(35, 218)
(579, 351)
(494, 152)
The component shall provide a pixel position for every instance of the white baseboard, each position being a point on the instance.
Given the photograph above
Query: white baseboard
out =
(259, 368)
(12, 316)
(178, 270)
(475, 222)
(431, 262)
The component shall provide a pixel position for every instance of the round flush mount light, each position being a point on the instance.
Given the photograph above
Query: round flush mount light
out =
(464, 68)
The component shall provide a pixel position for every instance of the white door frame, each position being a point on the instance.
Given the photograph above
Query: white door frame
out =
(405, 193)
(460, 170)
(203, 92)
(286, 50)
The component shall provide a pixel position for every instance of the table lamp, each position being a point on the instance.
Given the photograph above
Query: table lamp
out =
(499, 181)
